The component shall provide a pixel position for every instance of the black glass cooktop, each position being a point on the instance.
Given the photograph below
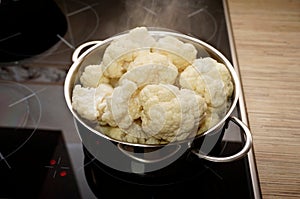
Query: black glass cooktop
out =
(42, 169)
(35, 165)
(29, 27)
(38, 159)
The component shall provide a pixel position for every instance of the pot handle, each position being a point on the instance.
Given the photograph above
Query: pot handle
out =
(236, 156)
(78, 50)
(131, 155)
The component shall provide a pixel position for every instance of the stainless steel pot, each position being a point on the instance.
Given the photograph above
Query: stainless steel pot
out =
(94, 54)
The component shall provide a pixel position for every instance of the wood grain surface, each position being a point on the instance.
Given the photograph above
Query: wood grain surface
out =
(267, 38)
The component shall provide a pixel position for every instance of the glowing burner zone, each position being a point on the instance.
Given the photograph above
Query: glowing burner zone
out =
(57, 168)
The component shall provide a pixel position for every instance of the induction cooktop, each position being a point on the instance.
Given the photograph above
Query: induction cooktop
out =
(42, 168)
(41, 153)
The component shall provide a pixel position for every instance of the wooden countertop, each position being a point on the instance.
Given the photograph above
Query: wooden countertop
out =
(267, 38)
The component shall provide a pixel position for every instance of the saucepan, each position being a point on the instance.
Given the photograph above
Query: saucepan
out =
(143, 154)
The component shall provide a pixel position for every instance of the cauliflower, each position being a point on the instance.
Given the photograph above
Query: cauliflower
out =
(134, 105)
(119, 134)
(157, 67)
(210, 79)
(120, 104)
(152, 92)
(212, 118)
(92, 76)
(182, 54)
(123, 50)
(90, 102)
(107, 116)
(146, 57)
(113, 132)
(152, 140)
(169, 113)
(194, 111)
(119, 110)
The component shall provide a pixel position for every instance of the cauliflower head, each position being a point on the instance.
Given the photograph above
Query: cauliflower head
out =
(169, 113)
(212, 118)
(145, 57)
(92, 76)
(158, 68)
(107, 116)
(210, 79)
(119, 134)
(123, 108)
(120, 104)
(182, 54)
(122, 51)
(90, 102)
(113, 132)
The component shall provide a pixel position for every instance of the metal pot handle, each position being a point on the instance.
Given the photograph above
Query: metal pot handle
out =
(78, 50)
(236, 156)
(131, 155)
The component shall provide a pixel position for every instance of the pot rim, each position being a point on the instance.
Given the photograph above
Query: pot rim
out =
(70, 78)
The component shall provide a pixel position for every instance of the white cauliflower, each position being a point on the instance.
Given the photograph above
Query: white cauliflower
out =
(92, 76)
(193, 108)
(169, 113)
(107, 116)
(120, 104)
(152, 92)
(134, 105)
(145, 57)
(212, 118)
(182, 54)
(157, 67)
(90, 102)
(122, 51)
(152, 140)
(113, 132)
(210, 79)
(119, 110)
(119, 134)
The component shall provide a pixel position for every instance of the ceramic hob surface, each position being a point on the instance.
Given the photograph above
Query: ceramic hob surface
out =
(41, 153)
(28, 51)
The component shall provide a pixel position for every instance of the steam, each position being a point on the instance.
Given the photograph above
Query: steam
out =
(170, 14)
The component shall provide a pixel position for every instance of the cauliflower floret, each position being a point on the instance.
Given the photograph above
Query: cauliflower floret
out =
(193, 108)
(123, 50)
(93, 76)
(134, 105)
(210, 79)
(212, 118)
(157, 67)
(120, 104)
(122, 109)
(113, 132)
(107, 116)
(90, 102)
(170, 114)
(146, 57)
(181, 54)
(119, 110)
(152, 140)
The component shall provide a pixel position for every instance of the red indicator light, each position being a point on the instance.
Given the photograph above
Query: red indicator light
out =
(63, 173)
(52, 162)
